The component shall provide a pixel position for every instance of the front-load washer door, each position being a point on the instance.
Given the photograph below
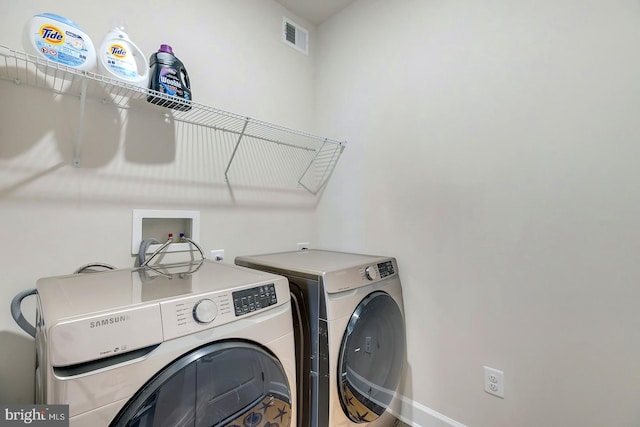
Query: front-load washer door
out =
(371, 358)
(223, 384)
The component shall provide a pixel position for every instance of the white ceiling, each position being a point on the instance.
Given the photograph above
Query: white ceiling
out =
(315, 11)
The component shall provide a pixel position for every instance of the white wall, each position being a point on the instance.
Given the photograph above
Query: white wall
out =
(493, 149)
(56, 218)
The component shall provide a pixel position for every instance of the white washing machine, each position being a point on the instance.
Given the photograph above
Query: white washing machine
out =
(198, 344)
(350, 334)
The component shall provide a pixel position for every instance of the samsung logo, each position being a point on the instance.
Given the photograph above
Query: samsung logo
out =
(109, 321)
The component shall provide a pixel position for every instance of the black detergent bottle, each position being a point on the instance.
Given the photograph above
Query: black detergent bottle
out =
(167, 75)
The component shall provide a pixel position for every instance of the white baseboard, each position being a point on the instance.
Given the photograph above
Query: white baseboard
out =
(418, 415)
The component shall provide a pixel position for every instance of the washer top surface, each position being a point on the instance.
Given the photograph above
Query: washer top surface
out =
(312, 261)
(79, 294)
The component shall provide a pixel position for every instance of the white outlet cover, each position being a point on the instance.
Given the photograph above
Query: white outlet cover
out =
(494, 381)
(216, 255)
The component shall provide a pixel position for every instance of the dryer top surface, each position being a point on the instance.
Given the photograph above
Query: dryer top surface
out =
(311, 261)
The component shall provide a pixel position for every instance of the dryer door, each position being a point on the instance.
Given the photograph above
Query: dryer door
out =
(371, 357)
(222, 384)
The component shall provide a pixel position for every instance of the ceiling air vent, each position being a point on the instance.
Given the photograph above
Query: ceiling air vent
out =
(295, 36)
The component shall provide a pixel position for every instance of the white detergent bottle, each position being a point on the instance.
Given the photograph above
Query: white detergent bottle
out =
(120, 58)
(58, 39)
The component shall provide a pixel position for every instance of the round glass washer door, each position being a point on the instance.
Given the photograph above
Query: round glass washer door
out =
(226, 384)
(371, 358)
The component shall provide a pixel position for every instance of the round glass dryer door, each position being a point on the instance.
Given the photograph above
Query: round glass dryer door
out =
(371, 358)
(225, 384)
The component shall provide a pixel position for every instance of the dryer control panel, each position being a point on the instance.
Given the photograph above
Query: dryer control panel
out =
(363, 275)
(385, 269)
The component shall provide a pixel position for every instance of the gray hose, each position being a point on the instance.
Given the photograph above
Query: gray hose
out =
(153, 255)
(89, 268)
(16, 302)
(197, 246)
(144, 246)
(16, 311)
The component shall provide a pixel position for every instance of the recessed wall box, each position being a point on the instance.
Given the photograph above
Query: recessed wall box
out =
(157, 224)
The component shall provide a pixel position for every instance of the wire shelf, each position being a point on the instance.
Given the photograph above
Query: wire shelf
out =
(309, 159)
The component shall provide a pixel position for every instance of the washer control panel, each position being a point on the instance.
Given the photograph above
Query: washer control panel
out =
(253, 299)
(191, 314)
(195, 313)
(205, 311)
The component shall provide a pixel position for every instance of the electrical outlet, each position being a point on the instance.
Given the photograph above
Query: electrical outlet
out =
(494, 381)
(217, 255)
(303, 246)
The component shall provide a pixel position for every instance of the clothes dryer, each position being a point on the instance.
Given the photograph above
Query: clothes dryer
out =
(350, 334)
(196, 344)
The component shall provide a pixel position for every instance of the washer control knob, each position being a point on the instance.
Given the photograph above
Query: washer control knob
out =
(205, 311)
(371, 273)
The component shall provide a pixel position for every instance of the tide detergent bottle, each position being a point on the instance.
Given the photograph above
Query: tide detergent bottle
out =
(120, 58)
(168, 76)
(58, 39)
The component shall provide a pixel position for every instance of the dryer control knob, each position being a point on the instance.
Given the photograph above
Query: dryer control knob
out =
(371, 273)
(205, 311)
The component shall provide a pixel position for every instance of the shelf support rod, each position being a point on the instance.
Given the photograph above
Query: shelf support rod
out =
(309, 167)
(235, 149)
(77, 148)
(330, 165)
